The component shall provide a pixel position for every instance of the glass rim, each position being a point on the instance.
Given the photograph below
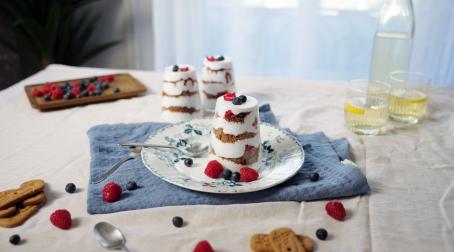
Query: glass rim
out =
(392, 75)
(365, 82)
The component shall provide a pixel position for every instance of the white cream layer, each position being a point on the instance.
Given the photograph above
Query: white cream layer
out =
(216, 88)
(175, 117)
(182, 101)
(170, 75)
(234, 128)
(232, 150)
(176, 89)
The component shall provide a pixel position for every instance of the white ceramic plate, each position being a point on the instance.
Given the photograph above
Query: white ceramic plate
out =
(281, 158)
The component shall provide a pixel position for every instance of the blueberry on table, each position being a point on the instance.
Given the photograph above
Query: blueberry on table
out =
(243, 98)
(220, 58)
(14, 239)
(70, 188)
(321, 234)
(235, 177)
(116, 90)
(314, 177)
(177, 221)
(226, 174)
(131, 186)
(237, 101)
(188, 162)
(175, 68)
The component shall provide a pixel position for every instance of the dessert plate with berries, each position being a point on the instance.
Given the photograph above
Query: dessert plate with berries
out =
(281, 157)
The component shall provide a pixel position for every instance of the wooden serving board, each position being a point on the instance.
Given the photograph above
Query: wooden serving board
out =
(128, 85)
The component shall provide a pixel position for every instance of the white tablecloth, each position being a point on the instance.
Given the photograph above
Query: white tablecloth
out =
(409, 170)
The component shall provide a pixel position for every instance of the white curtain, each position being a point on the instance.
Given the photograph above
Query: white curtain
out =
(309, 39)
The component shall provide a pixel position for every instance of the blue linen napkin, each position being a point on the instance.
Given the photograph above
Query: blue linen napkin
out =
(322, 156)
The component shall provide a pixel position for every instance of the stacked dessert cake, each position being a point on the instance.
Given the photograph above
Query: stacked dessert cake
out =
(180, 96)
(235, 137)
(217, 79)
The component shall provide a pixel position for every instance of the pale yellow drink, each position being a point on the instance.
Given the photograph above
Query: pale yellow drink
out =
(364, 118)
(407, 105)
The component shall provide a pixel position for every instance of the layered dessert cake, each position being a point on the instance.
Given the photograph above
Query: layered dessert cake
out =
(180, 98)
(216, 79)
(235, 136)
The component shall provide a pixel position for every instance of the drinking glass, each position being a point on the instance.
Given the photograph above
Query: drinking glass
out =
(408, 96)
(366, 106)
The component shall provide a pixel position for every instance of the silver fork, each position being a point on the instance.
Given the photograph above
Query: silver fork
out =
(134, 153)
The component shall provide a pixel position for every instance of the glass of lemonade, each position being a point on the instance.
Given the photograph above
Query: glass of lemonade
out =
(366, 106)
(408, 96)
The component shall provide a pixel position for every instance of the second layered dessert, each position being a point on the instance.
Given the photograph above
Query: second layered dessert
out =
(235, 136)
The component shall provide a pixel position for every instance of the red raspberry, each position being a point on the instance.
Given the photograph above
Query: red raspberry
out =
(214, 169)
(211, 58)
(75, 84)
(336, 210)
(229, 114)
(61, 219)
(46, 89)
(111, 192)
(110, 78)
(91, 88)
(248, 148)
(57, 94)
(203, 246)
(54, 86)
(248, 174)
(229, 96)
(75, 91)
(184, 69)
(37, 93)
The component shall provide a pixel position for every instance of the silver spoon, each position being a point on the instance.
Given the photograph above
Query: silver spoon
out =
(109, 236)
(194, 150)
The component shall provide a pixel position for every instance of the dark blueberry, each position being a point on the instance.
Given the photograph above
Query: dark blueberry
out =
(70, 188)
(67, 96)
(237, 101)
(98, 92)
(105, 85)
(91, 93)
(131, 186)
(116, 90)
(242, 115)
(321, 234)
(227, 174)
(175, 68)
(14, 239)
(243, 98)
(177, 221)
(47, 97)
(93, 79)
(220, 58)
(63, 87)
(235, 176)
(83, 85)
(314, 177)
(83, 93)
(188, 162)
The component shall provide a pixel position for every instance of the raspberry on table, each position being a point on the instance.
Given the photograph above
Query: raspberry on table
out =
(111, 192)
(336, 210)
(203, 246)
(61, 218)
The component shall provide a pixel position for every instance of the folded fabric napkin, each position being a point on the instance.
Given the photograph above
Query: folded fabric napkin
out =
(321, 155)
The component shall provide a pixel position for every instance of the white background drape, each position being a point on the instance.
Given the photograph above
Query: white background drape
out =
(309, 39)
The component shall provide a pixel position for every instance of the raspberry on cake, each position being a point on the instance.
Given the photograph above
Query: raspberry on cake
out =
(217, 79)
(180, 95)
(235, 137)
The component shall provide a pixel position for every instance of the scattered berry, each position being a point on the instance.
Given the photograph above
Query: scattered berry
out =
(229, 96)
(67, 96)
(175, 68)
(83, 93)
(248, 174)
(91, 88)
(188, 162)
(314, 177)
(93, 79)
(184, 69)
(214, 169)
(105, 85)
(211, 58)
(235, 176)
(227, 174)
(110, 78)
(131, 186)
(237, 101)
(61, 219)
(116, 90)
(220, 58)
(14, 239)
(243, 98)
(336, 210)
(37, 93)
(321, 234)
(75, 91)
(177, 221)
(111, 192)
(70, 188)
(57, 94)
(47, 97)
(203, 246)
